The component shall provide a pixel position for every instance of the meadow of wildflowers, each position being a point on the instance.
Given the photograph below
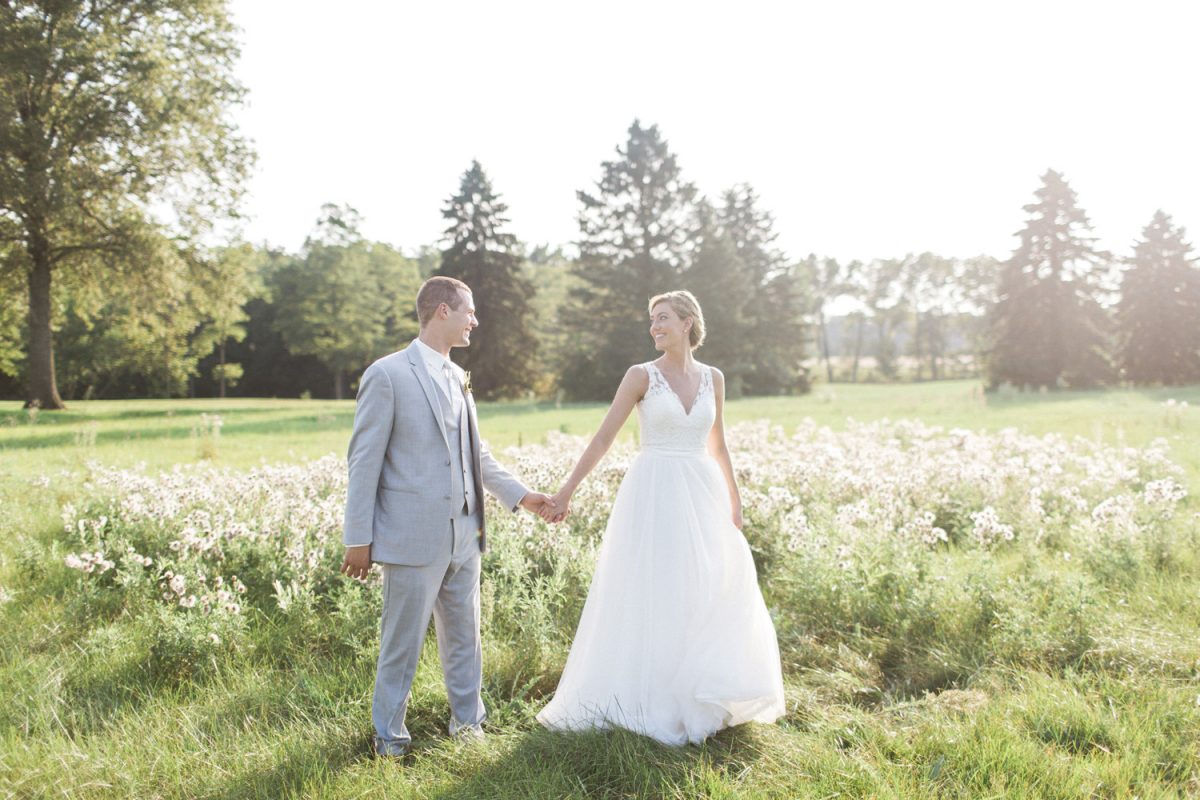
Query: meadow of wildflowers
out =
(831, 516)
(942, 597)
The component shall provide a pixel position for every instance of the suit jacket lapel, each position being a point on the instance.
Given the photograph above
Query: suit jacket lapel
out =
(473, 427)
(423, 378)
(476, 467)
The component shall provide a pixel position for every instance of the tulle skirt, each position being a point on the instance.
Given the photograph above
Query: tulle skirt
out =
(675, 641)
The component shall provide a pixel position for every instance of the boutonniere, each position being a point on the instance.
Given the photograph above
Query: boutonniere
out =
(466, 381)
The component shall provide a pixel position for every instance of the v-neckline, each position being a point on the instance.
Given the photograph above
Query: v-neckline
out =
(687, 411)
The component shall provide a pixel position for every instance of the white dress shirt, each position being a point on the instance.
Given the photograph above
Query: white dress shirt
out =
(445, 374)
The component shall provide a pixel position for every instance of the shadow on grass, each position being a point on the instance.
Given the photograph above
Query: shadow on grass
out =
(614, 764)
(489, 410)
(298, 423)
(1019, 399)
(70, 417)
(307, 759)
(102, 690)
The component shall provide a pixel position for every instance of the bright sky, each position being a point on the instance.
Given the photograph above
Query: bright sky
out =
(870, 129)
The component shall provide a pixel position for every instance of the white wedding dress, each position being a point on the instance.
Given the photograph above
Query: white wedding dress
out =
(675, 641)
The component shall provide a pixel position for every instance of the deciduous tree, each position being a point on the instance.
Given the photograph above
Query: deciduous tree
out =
(107, 110)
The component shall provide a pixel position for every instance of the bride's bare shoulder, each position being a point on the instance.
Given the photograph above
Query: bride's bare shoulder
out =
(639, 375)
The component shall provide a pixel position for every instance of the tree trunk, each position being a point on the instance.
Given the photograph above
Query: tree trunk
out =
(338, 392)
(221, 356)
(42, 389)
(919, 330)
(883, 349)
(858, 342)
(824, 335)
(936, 344)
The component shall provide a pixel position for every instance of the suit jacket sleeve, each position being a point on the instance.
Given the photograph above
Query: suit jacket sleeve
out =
(499, 481)
(373, 418)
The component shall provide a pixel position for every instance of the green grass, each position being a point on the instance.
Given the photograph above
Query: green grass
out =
(88, 710)
(160, 432)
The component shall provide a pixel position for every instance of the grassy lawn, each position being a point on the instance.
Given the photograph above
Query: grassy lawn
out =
(1009, 674)
(161, 432)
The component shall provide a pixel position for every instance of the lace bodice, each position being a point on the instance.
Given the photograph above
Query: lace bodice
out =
(666, 425)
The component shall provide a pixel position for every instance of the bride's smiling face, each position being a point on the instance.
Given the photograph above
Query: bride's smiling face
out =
(666, 328)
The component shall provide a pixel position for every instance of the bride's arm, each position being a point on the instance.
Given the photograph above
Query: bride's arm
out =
(633, 387)
(718, 449)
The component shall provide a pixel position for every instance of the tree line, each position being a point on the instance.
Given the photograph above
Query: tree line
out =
(118, 167)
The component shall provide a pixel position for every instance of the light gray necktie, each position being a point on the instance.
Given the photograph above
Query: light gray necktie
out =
(451, 394)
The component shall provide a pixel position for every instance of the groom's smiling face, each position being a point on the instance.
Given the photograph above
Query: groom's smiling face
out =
(461, 321)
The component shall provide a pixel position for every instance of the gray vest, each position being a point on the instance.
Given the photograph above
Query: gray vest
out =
(462, 476)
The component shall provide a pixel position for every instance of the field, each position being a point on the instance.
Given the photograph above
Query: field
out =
(976, 596)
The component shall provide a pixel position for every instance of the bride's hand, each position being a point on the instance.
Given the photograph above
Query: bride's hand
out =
(737, 517)
(562, 505)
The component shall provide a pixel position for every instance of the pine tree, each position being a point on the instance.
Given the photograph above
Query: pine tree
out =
(1048, 328)
(721, 282)
(502, 358)
(773, 329)
(635, 232)
(1158, 318)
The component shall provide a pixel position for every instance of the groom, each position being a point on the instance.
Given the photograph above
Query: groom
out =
(414, 505)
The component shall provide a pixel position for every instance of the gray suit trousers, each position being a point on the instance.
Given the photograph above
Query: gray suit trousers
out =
(447, 588)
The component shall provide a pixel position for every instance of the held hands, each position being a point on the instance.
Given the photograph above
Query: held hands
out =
(562, 503)
(550, 509)
(357, 562)
(540, 504)
(737, 517)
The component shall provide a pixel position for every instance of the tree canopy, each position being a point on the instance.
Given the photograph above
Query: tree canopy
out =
(109, 110)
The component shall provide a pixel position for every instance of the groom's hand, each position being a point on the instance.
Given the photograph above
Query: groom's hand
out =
(357, 562)
(539, 504)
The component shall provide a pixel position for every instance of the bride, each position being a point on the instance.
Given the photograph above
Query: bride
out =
(675, 641)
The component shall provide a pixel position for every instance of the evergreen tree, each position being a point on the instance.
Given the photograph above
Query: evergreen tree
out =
(773, 329)
(1048, 328)
(721, 282)
(1158, 318)
(635, 231)
(502, 359)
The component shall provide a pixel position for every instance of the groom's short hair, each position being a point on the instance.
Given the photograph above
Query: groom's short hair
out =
(435, 291)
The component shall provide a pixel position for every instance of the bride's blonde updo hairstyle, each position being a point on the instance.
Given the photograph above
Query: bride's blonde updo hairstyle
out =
(685, 305)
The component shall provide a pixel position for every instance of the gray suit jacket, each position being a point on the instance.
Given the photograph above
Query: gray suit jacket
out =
(398, 498)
